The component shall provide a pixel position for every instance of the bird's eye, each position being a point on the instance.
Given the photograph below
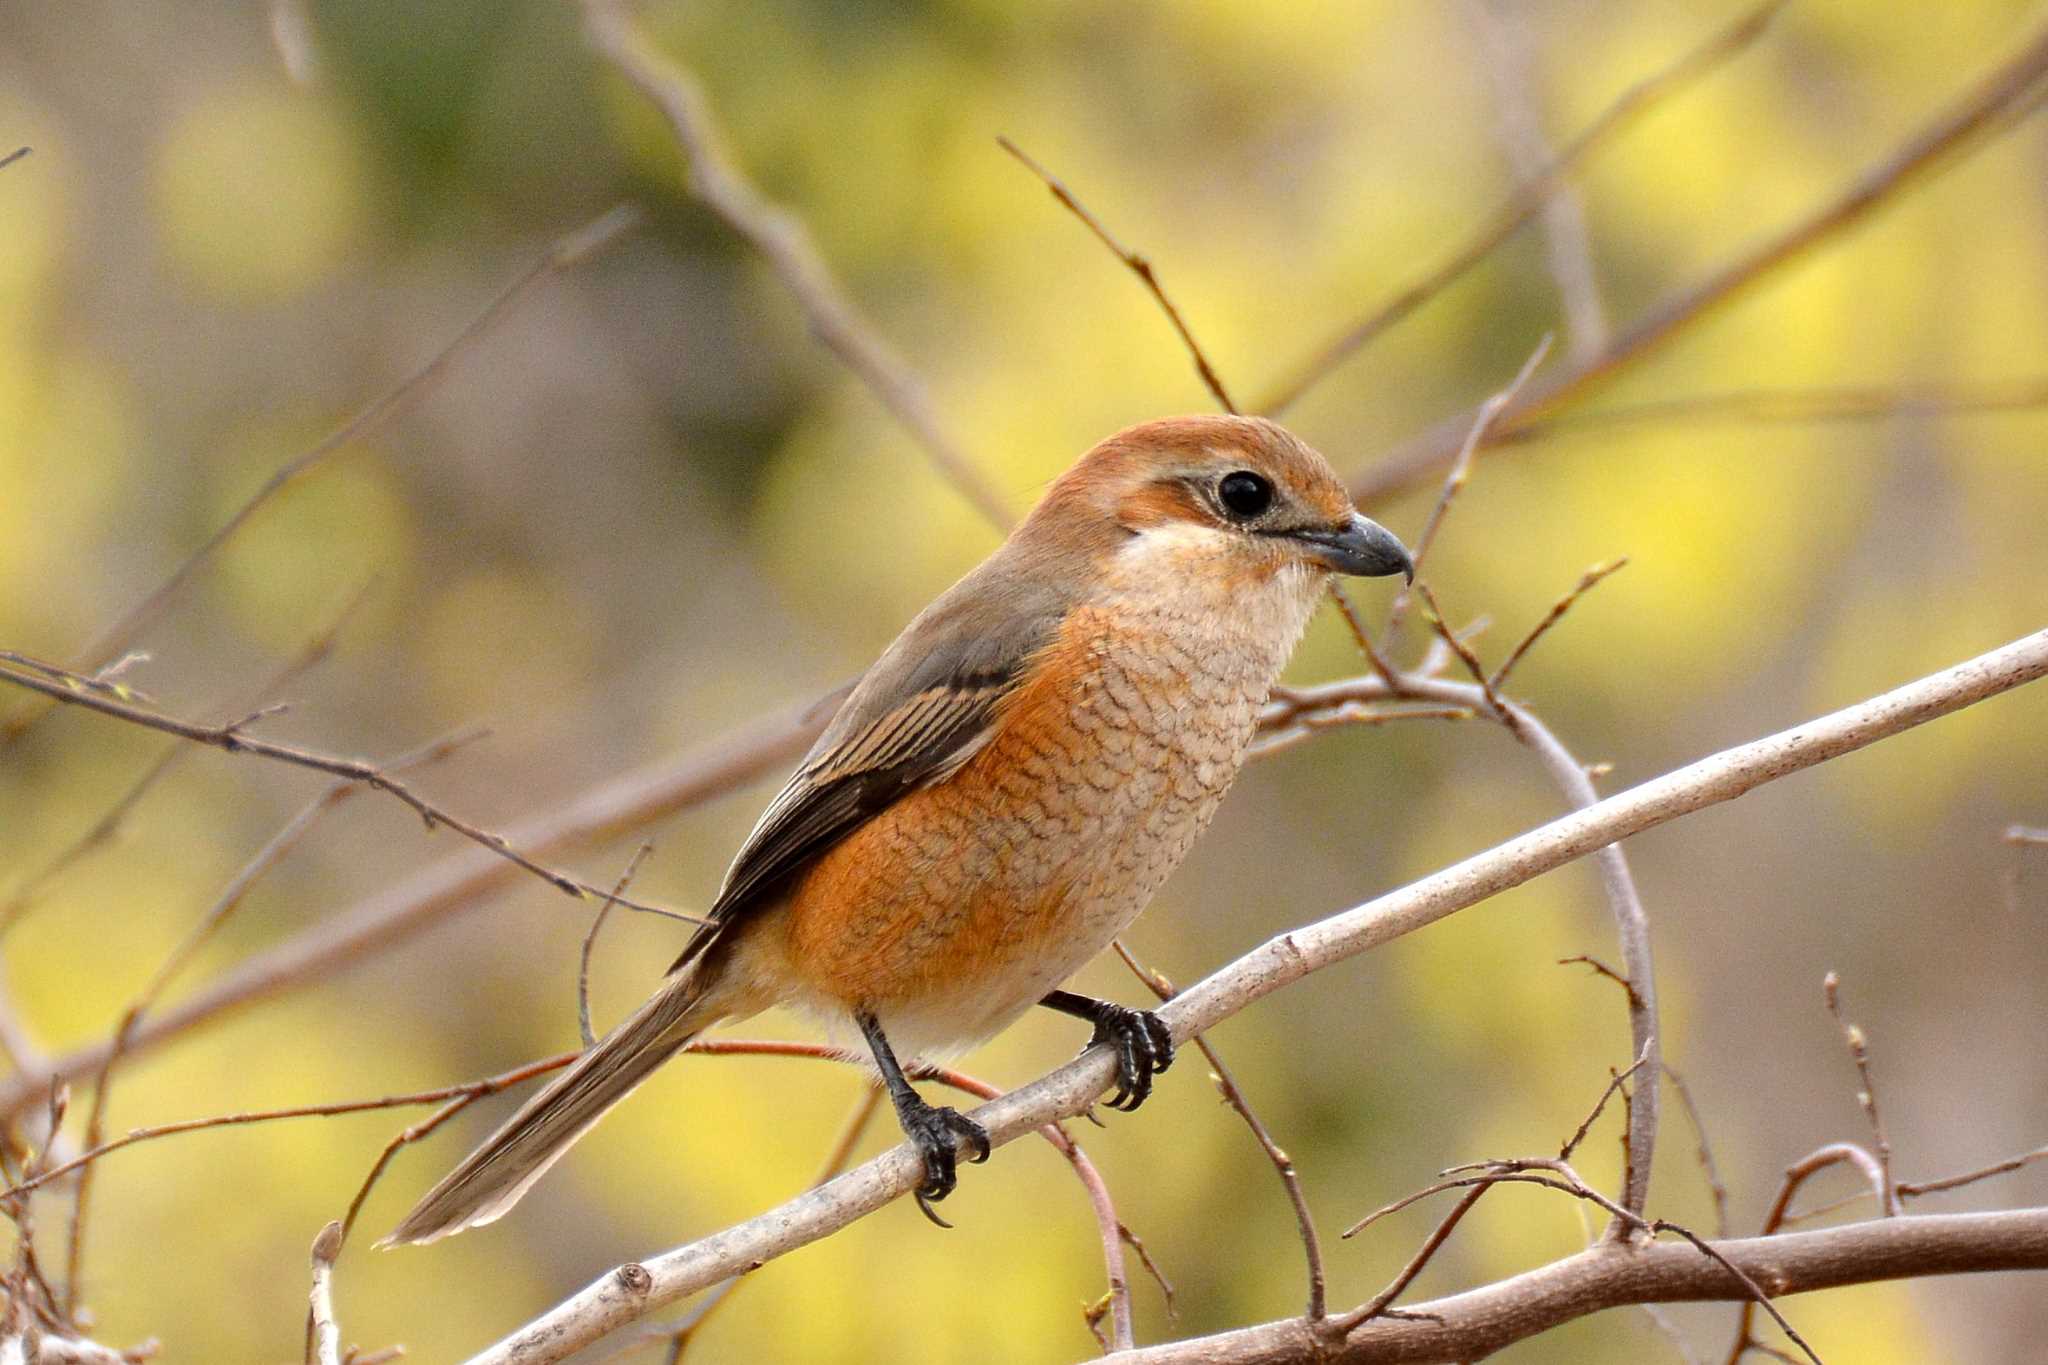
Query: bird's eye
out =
(1244, 494)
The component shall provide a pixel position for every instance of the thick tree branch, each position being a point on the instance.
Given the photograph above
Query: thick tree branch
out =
(631, 1292)
(1610, 1275)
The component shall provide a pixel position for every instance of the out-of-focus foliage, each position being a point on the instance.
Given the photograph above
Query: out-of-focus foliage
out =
(647, 507)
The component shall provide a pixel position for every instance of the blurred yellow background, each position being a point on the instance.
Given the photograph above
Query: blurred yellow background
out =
(646, 507)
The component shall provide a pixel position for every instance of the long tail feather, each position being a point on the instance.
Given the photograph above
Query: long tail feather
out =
(494, 1177)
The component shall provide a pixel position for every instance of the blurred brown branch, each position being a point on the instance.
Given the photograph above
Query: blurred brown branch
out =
(607, 1304)
(785, 244)
(1503, 38)
(233, 738)
(567, 251)
(389, 918)
(1525, 203)
(1873, 402)
(1995, 104)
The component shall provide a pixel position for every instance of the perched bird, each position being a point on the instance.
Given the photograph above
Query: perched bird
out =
(1002, 791)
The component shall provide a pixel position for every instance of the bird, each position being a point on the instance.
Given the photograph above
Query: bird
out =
(1000, 794)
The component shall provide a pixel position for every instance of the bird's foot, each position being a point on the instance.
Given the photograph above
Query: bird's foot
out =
(936, 1132)
(1144, 1048)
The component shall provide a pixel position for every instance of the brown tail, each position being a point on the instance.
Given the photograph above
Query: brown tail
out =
(493, 1177)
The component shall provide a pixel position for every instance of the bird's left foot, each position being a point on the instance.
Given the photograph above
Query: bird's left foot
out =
(1144, 1048)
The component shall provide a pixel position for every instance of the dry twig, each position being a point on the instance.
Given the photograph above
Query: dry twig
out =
(1283, 1164)
(426, 898)
(1859, 1050)
(1139, 266)
(103, 830)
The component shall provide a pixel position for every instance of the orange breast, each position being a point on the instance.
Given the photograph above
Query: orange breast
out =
(991, 887)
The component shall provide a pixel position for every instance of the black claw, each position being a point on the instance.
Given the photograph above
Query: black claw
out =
(936, 1133)
(1144, 1048)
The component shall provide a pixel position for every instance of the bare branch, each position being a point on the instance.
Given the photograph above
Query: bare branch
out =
(314, 652)
(1867, 403)
(1503, 40)
(1283, 1164)
(1638, 100)
(323, 1333)
(590, 942)
(566, 252)
(232, 738)
(1139, 266)
(1587, 581)
(391, 917)
(1984, 111)
(785, 244)
(1454, 482)
(1911, 1189)
(607, 1305)
(1859, 1050)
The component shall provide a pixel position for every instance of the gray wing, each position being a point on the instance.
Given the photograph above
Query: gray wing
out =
(925, 708)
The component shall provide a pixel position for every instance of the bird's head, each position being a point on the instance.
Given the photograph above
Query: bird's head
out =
(1240, 491)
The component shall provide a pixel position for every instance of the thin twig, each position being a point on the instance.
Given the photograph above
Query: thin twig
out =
(1378, 1303)
(273, 852)
(309, 656)
(231, 738)
(1615, 1081)
(1465, 656)
(1454, 481)
(566, 252)
(17, 154)
(458, 1097)
(1986, 110)
(1704, 1151)
(1587, 581)
(391, 917)
(1602, 969)
(1139, 266)
(785, 244)
(1796, 1176)
(1914, 1188)
(307, 1111)
(1283, 1164)
(590, 942)
(1859, 1049)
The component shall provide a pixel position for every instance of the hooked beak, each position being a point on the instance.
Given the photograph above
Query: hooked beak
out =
(1364, 548)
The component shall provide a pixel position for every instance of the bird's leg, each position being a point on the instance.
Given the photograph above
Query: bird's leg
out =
(932, 1128)
(1144, 1047)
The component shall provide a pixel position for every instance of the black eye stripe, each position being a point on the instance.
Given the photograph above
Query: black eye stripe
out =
(1244, 494)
